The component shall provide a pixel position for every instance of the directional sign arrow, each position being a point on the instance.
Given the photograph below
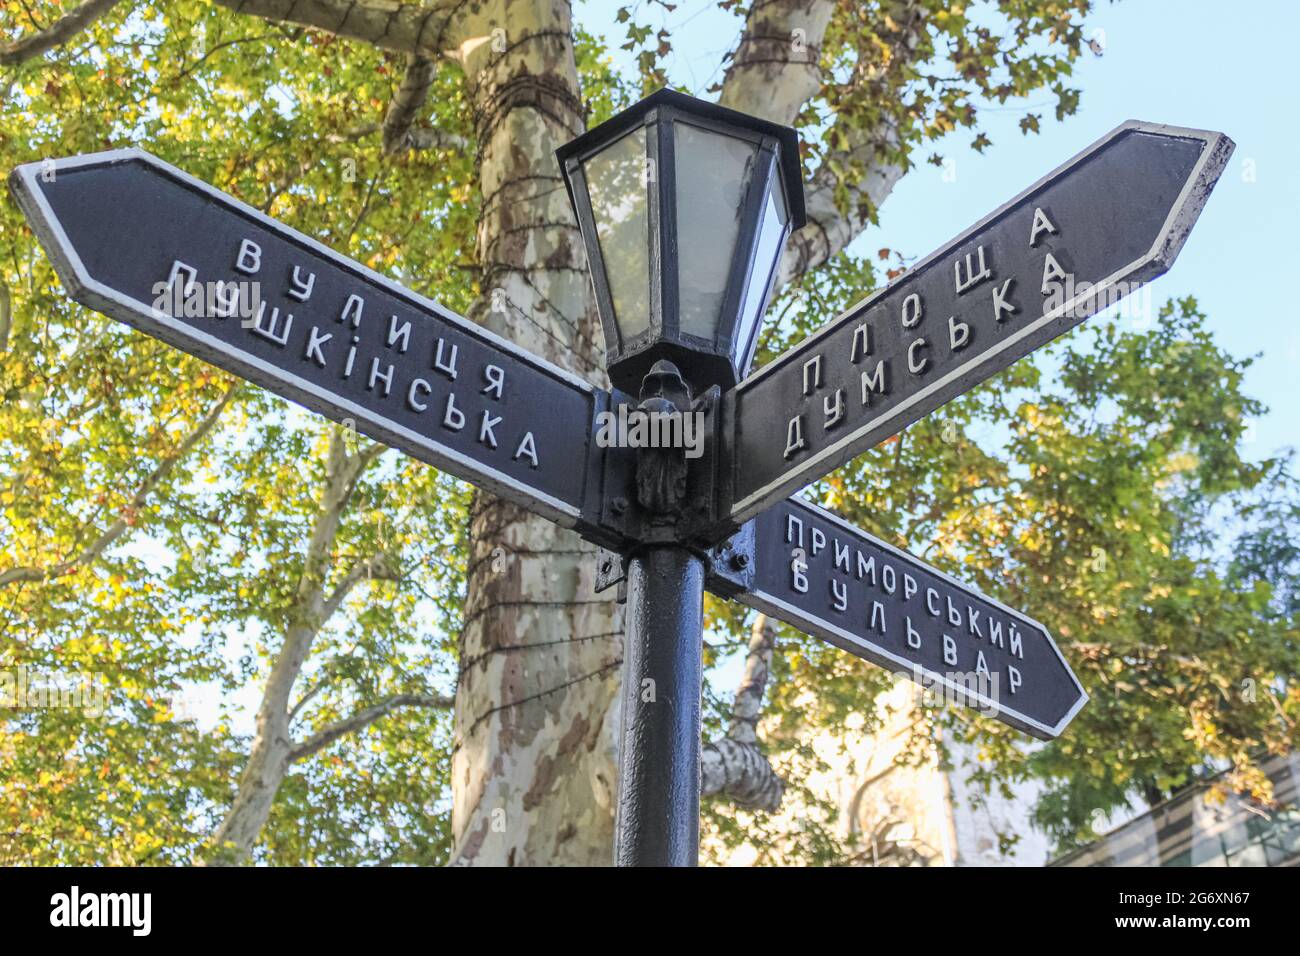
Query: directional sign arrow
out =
(144, 243)
(1081, 238)
(825, 577)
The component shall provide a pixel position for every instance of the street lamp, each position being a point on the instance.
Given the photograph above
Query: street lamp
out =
(684, 207)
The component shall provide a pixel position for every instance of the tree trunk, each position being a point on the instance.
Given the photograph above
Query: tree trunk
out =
(534, 767)
(271, 753)
(268, 759)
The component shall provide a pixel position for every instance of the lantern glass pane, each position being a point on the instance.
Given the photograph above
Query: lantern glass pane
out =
(771, 233)
(616, 185)
(712, 173)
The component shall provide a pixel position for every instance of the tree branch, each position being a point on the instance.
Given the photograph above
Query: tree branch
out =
(735, 765)
(380, 567)
(364, 718)
(830, 228)
(343, 472)
(272, 749)
(775, 68)
(407, 102)
(853, 179)
(6, 315)
(119, 527)
(385, 24)
(56, 34)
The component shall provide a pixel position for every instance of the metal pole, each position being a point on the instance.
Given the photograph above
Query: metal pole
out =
(658, 822)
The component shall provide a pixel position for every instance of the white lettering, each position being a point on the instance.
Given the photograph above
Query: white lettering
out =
(1000, 301)
(376, 375)
(527, 447)
(1052, 271)
(972, 278)
(268, 329)
(861, 343)
(399, 335)
(794, 437)
(485, 433)
(352, 357)
(911, 310)
(841, 557)
(496, 381)
(1041, 224)
(352, 309)
(249, 259)
(875, 382)
(913, 366)
(958, 333)
(833, 413)
(840, 592)
(450, 365)
(298, 289)
(791, 536)
(813, 365)
(417, 386)
(453, 417)
(315, 339)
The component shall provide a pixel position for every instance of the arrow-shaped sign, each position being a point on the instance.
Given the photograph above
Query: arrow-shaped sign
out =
(825, 577)
(144, 243)
(1083, 237)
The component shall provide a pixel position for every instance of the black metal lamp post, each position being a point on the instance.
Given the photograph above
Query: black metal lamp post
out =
(684, 208)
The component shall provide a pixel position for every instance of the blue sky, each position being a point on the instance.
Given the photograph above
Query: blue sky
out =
(1198, 63)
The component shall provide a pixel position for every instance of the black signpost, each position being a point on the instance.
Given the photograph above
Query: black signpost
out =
(823, 576)
(146, 244)
(1083, 237)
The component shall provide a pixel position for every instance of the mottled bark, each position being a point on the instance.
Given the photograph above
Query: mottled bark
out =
(869, 153)
(735, 765)
(831, 228)
(774, 73)
(534, 767)
(428, 28)
(407, 101)
(775, 68)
